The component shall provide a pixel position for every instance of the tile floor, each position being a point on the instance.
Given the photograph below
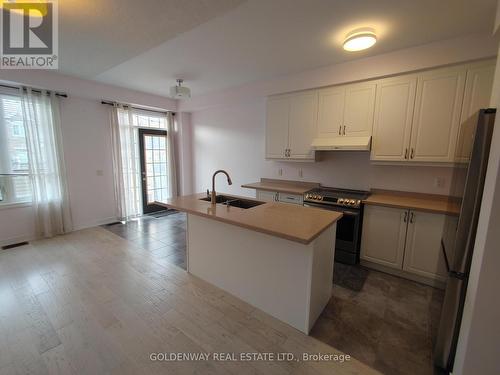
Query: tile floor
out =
(164, 236)
(384, 321)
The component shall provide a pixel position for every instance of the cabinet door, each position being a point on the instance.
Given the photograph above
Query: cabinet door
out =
(423, 254)
(477, 95)
(331, 103)
(358, 112)
(394, 105)
(383, 237)
(267, 196)
(278, 109)
(437, 115)
(302, 124)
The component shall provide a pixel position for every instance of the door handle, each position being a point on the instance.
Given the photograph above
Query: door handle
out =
(406, 153)
(344, 129)
(412, 153)
(340, 130)
(406, 216)
(412, 215)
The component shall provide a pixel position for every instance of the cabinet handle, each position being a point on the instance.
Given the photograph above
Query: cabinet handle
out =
(340, 130)
(412, 153)
(411, 217)
(406, 216)
(406, 153)
(344, 129)
(276, 197)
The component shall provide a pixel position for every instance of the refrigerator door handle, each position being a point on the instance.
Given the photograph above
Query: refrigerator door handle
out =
(451, 273)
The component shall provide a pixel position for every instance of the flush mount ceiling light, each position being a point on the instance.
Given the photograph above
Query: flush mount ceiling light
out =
(359, 40)
(179, 91)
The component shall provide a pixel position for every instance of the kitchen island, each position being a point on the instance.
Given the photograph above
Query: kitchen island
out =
(277, 257)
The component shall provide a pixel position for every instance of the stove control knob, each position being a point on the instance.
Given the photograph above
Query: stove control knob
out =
(320, 197)
(352, 202)
(340, 201)
(307, 196)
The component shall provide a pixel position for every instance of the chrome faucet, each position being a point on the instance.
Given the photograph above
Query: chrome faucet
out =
(213, 198)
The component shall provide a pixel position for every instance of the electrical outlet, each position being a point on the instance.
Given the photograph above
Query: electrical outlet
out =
(439, 182)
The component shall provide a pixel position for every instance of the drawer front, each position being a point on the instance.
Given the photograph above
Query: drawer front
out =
(291, 198)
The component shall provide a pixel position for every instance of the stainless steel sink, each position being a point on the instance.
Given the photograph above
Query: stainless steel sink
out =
(235, 202)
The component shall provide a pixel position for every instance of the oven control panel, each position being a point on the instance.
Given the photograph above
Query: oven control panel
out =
(346, 202)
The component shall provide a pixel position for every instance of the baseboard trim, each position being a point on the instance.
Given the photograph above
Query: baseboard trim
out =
(95, 223)
(403, 274)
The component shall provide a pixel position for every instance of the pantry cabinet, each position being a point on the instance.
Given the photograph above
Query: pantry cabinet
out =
(291, 124)
(405, 240)
(346, 110)
(478, 87)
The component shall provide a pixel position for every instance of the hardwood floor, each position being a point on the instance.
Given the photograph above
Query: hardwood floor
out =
(92, 302)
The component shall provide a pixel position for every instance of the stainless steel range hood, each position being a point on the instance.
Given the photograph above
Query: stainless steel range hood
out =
(342, 144)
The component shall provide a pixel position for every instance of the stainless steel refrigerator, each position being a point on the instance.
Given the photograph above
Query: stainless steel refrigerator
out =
(459, 235)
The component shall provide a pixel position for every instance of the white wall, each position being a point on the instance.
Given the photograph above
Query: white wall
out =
(87, 149)
(233, 138)
(479, 339)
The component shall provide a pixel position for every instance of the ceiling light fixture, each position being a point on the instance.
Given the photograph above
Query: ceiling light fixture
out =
(179, 91)
(359, 40)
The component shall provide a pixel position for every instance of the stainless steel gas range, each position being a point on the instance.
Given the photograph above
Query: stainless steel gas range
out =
(350, 203)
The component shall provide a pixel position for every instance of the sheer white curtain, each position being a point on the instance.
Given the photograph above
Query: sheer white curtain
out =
(171, 157)
(126, 163)
(48, 175)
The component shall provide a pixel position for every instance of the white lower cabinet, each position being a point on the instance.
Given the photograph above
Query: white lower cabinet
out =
(423, 255)
(291, 198)
(267, 196)
(405, 240)
(384, 233)
(274, 196)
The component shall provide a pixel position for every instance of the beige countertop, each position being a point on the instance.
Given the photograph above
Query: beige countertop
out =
(289, 221)
(415, 201)
(282, 186)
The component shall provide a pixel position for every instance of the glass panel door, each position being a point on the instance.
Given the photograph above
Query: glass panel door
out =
(153, 151)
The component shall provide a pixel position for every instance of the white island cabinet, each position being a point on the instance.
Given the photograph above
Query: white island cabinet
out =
(276, 257)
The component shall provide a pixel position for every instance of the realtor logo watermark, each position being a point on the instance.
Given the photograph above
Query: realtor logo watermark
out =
(29, 35)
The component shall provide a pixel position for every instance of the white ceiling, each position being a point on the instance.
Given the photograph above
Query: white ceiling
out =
(215, 44)
(97, 35)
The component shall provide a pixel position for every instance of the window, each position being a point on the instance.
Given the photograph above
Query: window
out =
(15, 185)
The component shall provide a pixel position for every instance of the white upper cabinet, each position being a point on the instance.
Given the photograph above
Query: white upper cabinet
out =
(278, 110)
(426, 117)
(478, 86)
(346, 110)
(358, 110)
(394, 105)
(331, 112)
(436, 118)
(302, 124)
(291, 126)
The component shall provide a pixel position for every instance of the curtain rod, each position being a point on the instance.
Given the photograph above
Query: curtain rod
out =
(107, 102)
(61, 94)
